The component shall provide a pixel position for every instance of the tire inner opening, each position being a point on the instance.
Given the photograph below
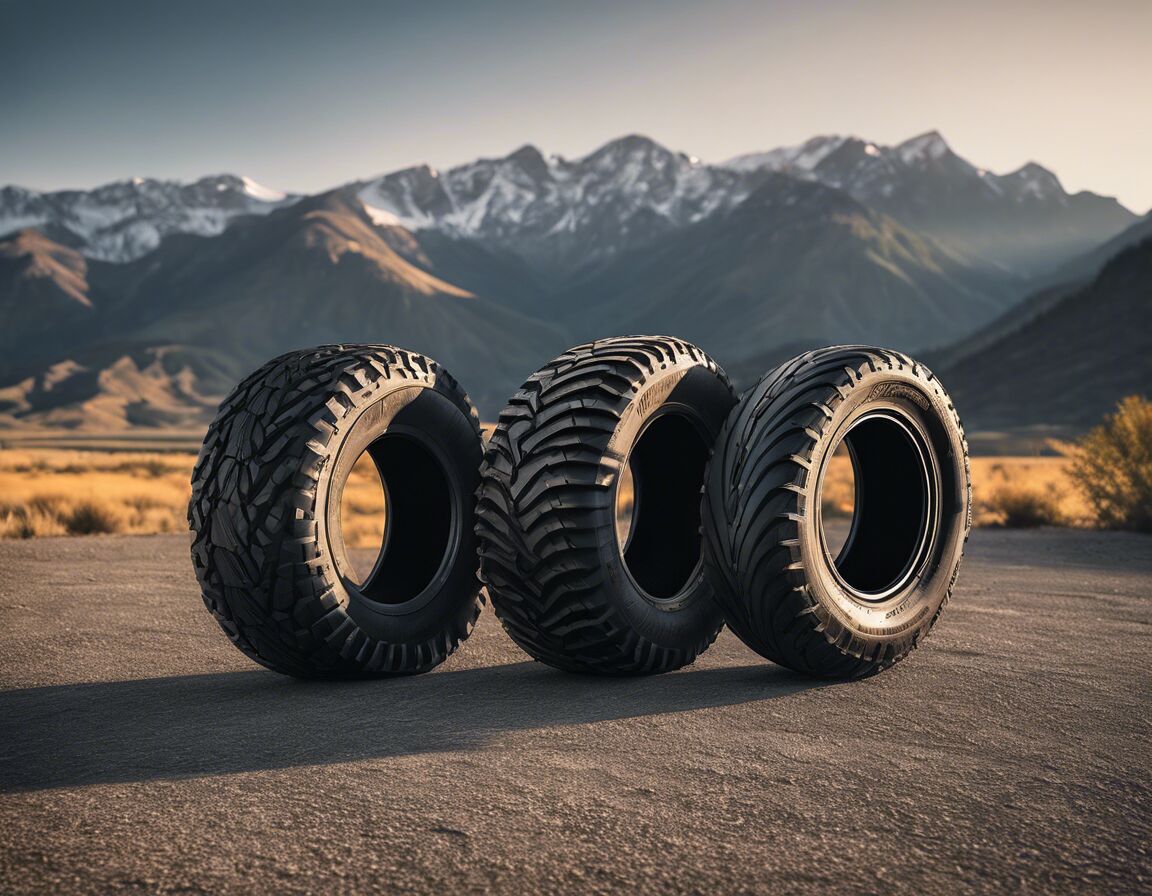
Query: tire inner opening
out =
(891, 508)
(660, 539)
(417, 521)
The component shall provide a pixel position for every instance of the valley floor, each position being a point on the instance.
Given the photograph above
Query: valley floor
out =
(139, 752)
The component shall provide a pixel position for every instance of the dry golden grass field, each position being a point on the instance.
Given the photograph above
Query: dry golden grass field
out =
(46, 491)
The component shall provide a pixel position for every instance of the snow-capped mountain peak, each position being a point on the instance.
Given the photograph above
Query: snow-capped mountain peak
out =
(123, 220)
(553, 210)
(922, 148)
(1035, 182)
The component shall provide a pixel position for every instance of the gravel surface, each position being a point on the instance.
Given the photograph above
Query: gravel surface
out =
(140, 752)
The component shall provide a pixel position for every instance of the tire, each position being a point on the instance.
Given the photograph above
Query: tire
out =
(565, 587)
(767, 548)
(268, 548)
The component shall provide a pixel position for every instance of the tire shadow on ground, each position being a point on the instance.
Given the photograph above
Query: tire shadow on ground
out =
(195, 725)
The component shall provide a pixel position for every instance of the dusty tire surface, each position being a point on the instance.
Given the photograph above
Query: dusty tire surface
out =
(268, 546)
(567, 589)
(857, 609)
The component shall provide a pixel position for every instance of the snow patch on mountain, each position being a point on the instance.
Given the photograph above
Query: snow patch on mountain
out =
(1035, 182)
(567, 212)
(124, 220)
(923, 148)
(381, 217)
(259, 191)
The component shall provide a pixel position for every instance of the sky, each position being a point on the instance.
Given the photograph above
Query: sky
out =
(303, 96)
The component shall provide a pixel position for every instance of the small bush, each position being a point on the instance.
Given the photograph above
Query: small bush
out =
(90, 518)
(1112, 465)
(1024, 507)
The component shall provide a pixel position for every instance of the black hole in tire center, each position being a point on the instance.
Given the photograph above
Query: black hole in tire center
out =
(895, 497)
(667, 464)
(418, 532)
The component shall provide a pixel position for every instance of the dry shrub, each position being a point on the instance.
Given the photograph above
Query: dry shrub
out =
(24, 522)
(93, 518)
(1011, 491)
(1024, 507)
(38, 465)
(1112, 465)
(73, 492)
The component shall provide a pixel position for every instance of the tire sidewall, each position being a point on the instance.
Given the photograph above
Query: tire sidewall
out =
(909, 611)
(435, 418)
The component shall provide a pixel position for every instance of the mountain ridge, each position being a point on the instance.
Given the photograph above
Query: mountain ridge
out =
(495, 265)
(559, 212)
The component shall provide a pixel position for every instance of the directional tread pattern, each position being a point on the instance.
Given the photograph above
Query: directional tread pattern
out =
(542, 512)
(756, 496)
(257, 541)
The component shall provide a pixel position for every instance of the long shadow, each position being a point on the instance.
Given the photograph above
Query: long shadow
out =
(157, 728)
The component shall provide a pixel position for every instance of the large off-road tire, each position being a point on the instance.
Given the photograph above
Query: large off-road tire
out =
(570, 590)
(785, 593)
(269, 550)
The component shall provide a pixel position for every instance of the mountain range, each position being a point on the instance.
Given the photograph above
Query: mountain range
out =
(141, 302)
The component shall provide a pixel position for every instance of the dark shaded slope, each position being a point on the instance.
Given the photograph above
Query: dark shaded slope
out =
(44, 292)
(1072, 363)
(796, 263)
(1043, 293)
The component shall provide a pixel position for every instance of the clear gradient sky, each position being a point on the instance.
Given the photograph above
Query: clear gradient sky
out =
(304, 96)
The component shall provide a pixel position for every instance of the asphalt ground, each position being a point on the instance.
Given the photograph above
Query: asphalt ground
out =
(140, 752)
